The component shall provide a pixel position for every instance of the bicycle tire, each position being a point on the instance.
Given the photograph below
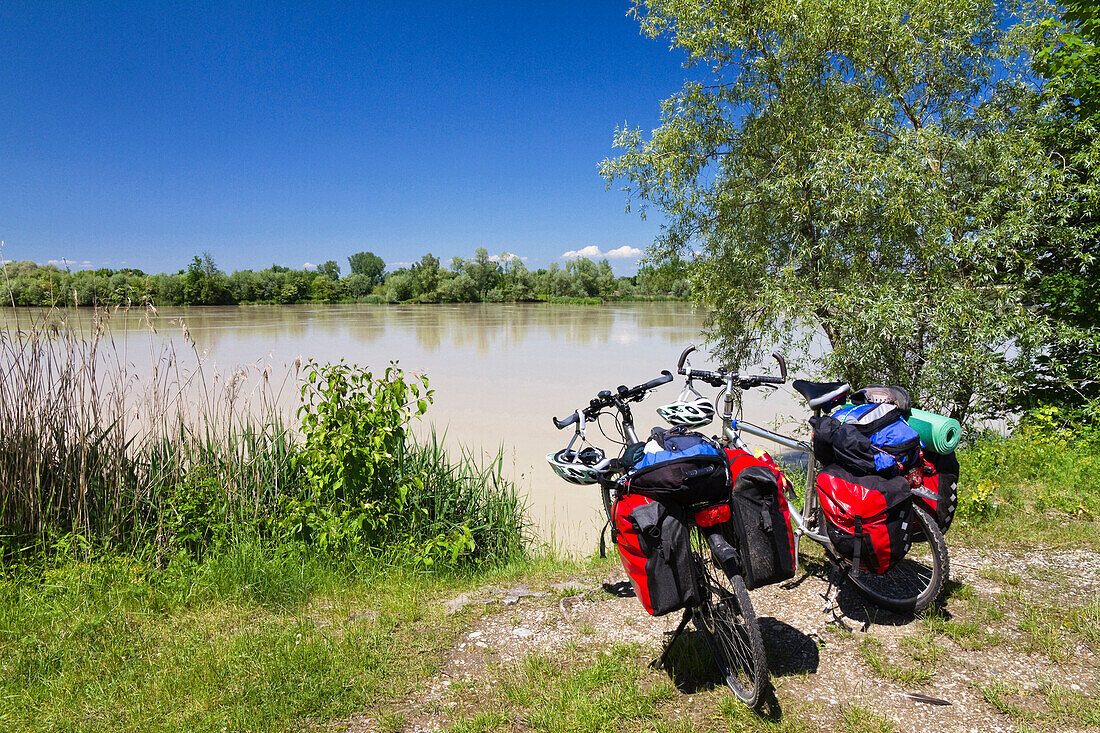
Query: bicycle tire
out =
(726, 619)
(913, 584)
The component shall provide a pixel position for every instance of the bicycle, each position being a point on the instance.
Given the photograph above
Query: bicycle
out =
(912, 584)
(724, 614)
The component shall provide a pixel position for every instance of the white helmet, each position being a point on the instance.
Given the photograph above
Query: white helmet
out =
(577, 466)
(580, 465)
(691, 409)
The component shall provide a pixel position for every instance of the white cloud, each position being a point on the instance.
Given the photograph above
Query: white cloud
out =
(589, 251)
(308, 266)
(592, 252)
(506, 257)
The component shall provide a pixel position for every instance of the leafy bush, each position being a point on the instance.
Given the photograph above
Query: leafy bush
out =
(354, 428)
(1051, 462)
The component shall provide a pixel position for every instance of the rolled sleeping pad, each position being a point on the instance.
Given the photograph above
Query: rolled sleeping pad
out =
(941, 434)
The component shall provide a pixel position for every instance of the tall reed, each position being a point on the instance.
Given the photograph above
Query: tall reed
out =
(97, 453)
(91, 448)
(471, 490)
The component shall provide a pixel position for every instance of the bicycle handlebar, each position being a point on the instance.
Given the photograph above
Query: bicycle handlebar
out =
(607, 398)
(719, 378)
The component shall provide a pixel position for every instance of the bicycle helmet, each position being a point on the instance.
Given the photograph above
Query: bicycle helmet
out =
(691, 409)
(577, 466)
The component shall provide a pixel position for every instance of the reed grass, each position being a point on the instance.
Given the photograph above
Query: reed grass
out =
(100, 455)
(470, 491)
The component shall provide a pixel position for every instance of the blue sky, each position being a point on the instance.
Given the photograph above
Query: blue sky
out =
(141, 134)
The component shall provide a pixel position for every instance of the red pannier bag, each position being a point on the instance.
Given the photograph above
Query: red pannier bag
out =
(868, 519)
(936, 486)
(760, 522)
(654, 541)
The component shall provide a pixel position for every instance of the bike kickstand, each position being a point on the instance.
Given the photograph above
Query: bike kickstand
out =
(659, 662)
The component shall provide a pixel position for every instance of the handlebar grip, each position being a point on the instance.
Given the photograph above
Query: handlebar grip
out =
(683, 358)
(782, 366)
(770, 380)
(559, 424)
(665, 378)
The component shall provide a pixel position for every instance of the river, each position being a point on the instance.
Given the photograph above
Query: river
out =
(499, 371)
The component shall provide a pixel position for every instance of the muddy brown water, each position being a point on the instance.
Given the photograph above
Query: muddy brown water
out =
(499, 371)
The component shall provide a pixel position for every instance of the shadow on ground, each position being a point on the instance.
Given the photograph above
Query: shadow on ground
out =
(789, 651)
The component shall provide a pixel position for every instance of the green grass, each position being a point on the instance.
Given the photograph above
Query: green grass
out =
(966, 634)
(860, 719)
(913, 671)
(1000, 575)
(1038, 487)
(262, 641)
(1050, 705)
(577, 692)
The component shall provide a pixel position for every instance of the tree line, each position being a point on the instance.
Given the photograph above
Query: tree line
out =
(482, 278)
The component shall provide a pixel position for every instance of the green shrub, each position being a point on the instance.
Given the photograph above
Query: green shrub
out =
(1050, 462)
(354, 427)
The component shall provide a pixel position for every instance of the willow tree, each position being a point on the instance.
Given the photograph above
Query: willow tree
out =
(870, 168)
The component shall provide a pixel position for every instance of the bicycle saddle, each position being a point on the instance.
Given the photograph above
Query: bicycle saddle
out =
(821, 394)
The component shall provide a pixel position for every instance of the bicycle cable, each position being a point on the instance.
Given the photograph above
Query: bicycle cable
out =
(622, 433)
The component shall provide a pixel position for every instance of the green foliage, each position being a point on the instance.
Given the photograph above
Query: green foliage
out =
(870, 169)
(368, 265)
(354, 428)
(1072, 60)
(204, 283)
(1048, 465)
(81, 473)
(493, 279)
(459, 512)
(1067, 281)
(199, 517)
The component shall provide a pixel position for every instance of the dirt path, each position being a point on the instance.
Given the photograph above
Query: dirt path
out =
(1013, 649)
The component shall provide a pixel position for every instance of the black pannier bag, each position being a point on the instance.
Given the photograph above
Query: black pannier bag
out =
(655, 548)
(682, 467)
(938, 493)
(868, 519)
(760, 524)
(867, 439)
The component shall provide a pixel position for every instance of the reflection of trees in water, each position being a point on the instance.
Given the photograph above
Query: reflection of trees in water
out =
(482, 327)
(211, 327)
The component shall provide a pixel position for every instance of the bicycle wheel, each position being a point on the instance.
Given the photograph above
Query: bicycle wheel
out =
(915, 582)
(726, 619)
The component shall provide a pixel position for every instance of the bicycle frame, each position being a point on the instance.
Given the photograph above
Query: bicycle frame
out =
(731, 434)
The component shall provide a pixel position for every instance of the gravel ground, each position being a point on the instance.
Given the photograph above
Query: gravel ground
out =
(816, 640)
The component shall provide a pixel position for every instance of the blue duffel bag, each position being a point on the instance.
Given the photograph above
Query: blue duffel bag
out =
(867, 439)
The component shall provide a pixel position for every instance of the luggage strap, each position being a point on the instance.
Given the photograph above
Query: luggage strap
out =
(859, 544)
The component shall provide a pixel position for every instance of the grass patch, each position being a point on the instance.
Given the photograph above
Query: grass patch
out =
(968, 635)
(1051, 704)
(241, 645)
(601, 691)
(1008, 700)
(916, 673)
(999, 575)
(1039, 486)
(860, 719)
